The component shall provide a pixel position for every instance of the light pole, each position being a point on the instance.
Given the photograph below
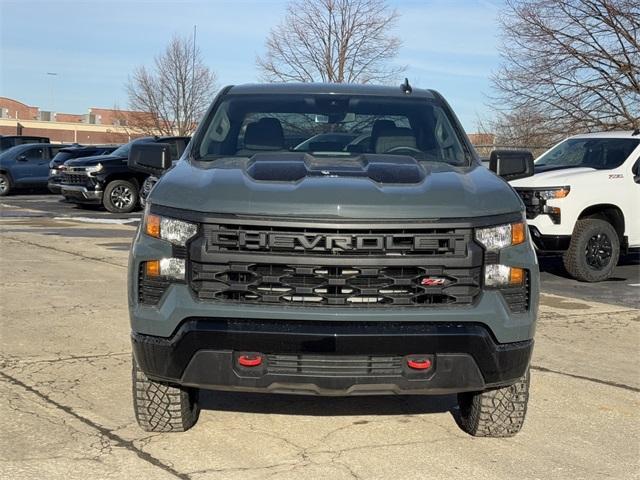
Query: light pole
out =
(51, 75)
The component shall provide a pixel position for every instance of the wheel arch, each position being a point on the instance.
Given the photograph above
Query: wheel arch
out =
(609, 212)
(6, 172)
(129, 177)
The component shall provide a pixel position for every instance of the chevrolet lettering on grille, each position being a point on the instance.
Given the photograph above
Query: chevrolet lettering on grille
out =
(246, 240)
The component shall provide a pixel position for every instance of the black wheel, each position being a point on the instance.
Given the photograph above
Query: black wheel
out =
(120, 196)
(5, 185)
(160, 407)
(594, 250)
(494, 413)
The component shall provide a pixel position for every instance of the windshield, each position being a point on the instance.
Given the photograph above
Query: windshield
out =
(62, 157)
(331, 125)
(122, 151)
(598, 153)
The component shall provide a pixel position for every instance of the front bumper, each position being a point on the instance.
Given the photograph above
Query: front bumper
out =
(79, 193)
(331, 358)
(549, 243)
(54, 187)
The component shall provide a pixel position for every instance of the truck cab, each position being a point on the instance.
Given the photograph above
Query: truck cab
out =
(582, 201)
(402, 266)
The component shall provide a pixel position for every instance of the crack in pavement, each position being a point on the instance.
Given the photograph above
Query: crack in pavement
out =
(117, 439)
(59, 250)
(609, 383)
(17, 361)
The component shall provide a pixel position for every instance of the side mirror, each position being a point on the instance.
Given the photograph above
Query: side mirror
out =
(636, 171)
(21, 158)
(152, 158)
(511, 164)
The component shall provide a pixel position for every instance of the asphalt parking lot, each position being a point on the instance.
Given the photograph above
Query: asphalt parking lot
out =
(66, 402)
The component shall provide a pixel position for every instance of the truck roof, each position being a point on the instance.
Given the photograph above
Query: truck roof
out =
(610, 134)
(327, 89)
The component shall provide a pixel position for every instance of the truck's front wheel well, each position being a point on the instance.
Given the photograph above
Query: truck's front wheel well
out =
(123, 176)
(610, 213)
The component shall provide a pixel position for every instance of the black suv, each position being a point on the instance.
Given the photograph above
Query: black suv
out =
(108, 180)
(75, 151)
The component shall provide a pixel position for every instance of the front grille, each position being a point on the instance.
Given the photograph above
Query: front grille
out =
(150, 290)
(532, 203)
(74, 178)
(334, 365)
(318, 285)
(518, 297)
(441, 242)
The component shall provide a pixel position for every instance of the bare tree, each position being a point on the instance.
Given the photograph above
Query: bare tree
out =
(340, 41)
(568, 66)
(519, 128)
(170, 97)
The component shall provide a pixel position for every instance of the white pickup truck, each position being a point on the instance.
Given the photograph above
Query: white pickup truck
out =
(584, 201)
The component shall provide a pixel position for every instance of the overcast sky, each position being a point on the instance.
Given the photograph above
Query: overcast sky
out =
(94, 45)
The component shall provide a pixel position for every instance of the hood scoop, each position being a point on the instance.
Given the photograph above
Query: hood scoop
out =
(295, 166)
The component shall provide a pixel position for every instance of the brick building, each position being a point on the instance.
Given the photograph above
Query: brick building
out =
(98, 125)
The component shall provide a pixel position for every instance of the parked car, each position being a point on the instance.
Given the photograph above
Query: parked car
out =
(26, 165)
(8, 141)
(583, 201)
(74, 151)
(406, 268)
(107, 179)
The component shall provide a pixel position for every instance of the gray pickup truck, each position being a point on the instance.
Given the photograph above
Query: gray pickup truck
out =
(383, 258)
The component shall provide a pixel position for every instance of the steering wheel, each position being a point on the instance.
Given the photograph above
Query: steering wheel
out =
(404, 149)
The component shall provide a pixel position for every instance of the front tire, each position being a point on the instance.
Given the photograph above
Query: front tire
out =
(5, 185)
(160, 407)
(593, 252)
(494, 413)
(120, 196)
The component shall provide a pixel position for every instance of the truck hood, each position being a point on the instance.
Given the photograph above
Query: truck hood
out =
(553, 178)
(366, 187)
(94, 160)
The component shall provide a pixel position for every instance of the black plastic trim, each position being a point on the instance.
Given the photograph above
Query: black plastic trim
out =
(337, 222)
(549, 243)
(182, 358)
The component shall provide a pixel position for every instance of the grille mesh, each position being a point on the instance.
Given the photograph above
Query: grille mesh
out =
(335, 366)
(334, 286)
(74, 179)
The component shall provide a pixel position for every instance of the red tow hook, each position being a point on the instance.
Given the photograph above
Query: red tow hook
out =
(250, 360)
(419, 364)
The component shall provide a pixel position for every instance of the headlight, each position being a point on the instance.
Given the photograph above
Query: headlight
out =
(503, 276)
(165, 267)
(553, 192)
(495, 238)
(172, 230)
(94, 169)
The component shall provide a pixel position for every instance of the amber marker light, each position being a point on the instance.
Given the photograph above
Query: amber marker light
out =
(152, 268)
(517, 233)
(152, 225)
(516, 276)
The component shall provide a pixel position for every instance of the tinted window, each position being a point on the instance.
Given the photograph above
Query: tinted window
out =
(598, 153)
(123, 150)
(34, 153)
(328, 125)
(62, 157)
(53, 151)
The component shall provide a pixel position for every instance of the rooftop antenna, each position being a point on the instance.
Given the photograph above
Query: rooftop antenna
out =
(636, 132)
(406, 88)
